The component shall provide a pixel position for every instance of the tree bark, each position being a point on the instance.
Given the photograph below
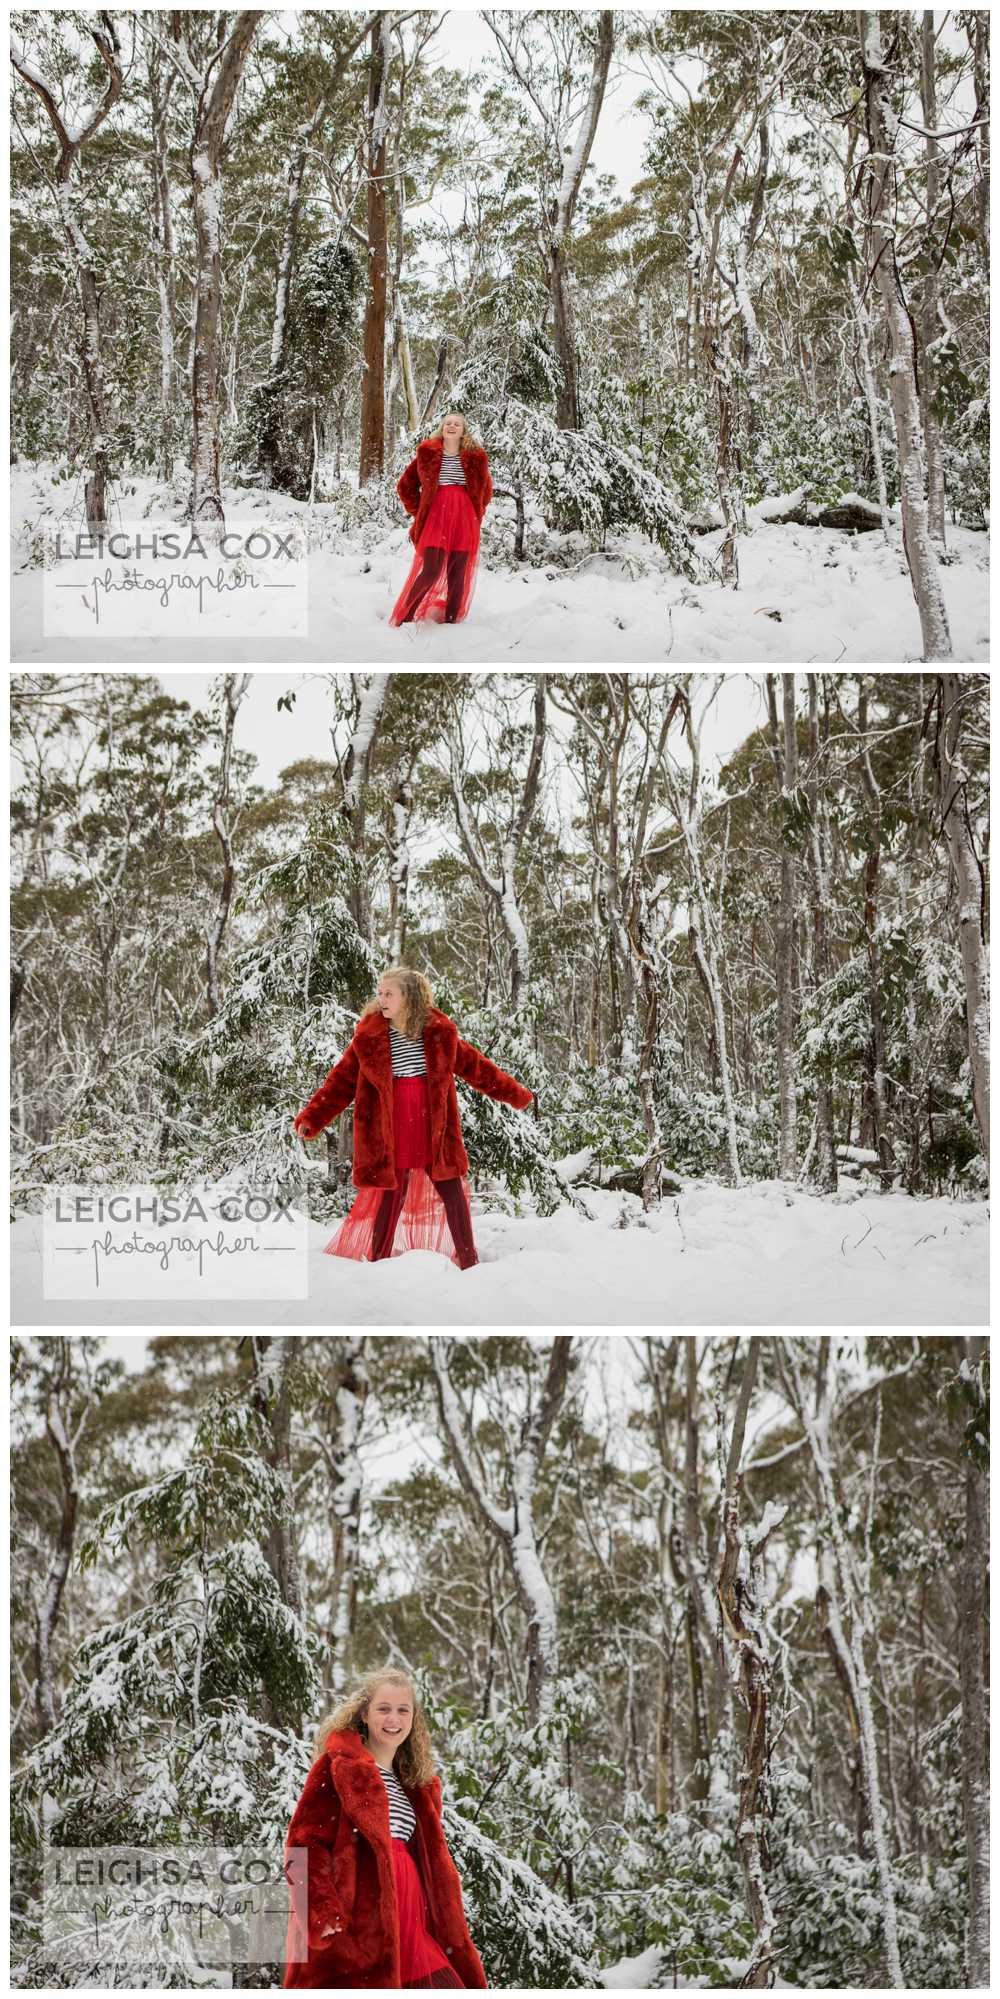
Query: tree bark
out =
(213, 106)
(740, 1591)
(514, 1526)
(785, 757)
(561, 218)
(826, 1154)
(344, 1418)
(929, 301)
(973, 1656)
(234, 690)
(163, 244)
(874, 1111)
(372, 463)
(970, 882)
(917, 543)
(71, 143)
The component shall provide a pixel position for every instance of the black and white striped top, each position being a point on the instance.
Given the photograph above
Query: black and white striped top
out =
(402, 1818)
(451, 473)
(408, 1058)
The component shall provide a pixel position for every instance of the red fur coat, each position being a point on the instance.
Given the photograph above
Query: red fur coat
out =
(365, 1073)
(342, 1820)
(419, 482)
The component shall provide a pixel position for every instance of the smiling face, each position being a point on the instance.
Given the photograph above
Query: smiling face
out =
(389, 1718)
(390, 999)
(451, 430)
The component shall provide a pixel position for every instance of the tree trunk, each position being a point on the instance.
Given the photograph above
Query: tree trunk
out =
(826, 1154)
(561, 217)
(973, 1656)
(235, 688)
(63, 1440)
(163, 241)
(929, 301)
(211, 119)
(344, 1416)
(918, 545)
(970, 882)
(399, 866)
(874, 1108)
(786, 771)
(851, 1617)
(740, 1591)
(71, 142)
(863, 330)
(514, 1526)
(372, 463)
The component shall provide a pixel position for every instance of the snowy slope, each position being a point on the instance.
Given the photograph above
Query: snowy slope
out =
(757, 1256)
(839, 598)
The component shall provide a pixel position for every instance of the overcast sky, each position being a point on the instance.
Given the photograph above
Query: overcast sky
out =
(734, 702)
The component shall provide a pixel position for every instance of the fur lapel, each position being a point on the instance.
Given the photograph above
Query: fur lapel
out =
(431, 451)
(371, 1040)
(374, 1050)
(358, 1784)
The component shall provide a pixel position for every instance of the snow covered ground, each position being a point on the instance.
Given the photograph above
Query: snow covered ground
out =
(806, 594)
(715, 1256)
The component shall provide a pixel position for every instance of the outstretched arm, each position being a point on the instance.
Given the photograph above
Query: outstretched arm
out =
(476, 1068)
(331, 1098)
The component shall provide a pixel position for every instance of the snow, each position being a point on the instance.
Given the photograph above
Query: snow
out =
(764, 1254)
(839, 597)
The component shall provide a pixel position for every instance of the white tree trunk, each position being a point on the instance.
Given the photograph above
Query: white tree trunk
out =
(917, 542)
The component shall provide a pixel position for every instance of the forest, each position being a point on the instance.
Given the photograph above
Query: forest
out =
(699, 1626)
(711, 287)
(764, 966)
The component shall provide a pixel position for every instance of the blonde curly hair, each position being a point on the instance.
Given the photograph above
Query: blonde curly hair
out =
(466, 442)
(414, 1759)
(418, 999)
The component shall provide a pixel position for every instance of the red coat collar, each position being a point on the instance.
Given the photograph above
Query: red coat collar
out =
(374, 1051)
(432, 449)
(359, 1786)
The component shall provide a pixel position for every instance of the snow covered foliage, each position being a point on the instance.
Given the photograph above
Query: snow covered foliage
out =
(830, 1902)
(160, 1739)
(290, 1009)
(510, 1149)
(512, 1823)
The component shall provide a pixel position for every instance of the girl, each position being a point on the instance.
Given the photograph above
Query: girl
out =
(410, 1162)
(378, 1900)
(447, 488)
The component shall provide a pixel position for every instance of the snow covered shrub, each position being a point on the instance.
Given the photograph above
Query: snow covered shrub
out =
(799, 445)
(965, 446)
(513, 1820)
(676, 1885)
(597, 1111)
(291, 1004)
(281, 417)
(158, 1741)
(502, 1143)
(685, 445)
(829, 1903)
(585, 482)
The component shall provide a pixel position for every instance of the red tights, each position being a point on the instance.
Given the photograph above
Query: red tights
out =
(432, 565)
(456, 1208)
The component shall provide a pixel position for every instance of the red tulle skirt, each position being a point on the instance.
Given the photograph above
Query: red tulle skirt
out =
(421, 1958)
(423, 1222)
(445, 562)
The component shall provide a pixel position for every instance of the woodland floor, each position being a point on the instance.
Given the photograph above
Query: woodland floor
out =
(807, 595)
(760, 1255)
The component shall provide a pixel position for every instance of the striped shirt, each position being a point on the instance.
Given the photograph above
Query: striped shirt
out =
(402, 1818)
(451, 473)
(408, 1058)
